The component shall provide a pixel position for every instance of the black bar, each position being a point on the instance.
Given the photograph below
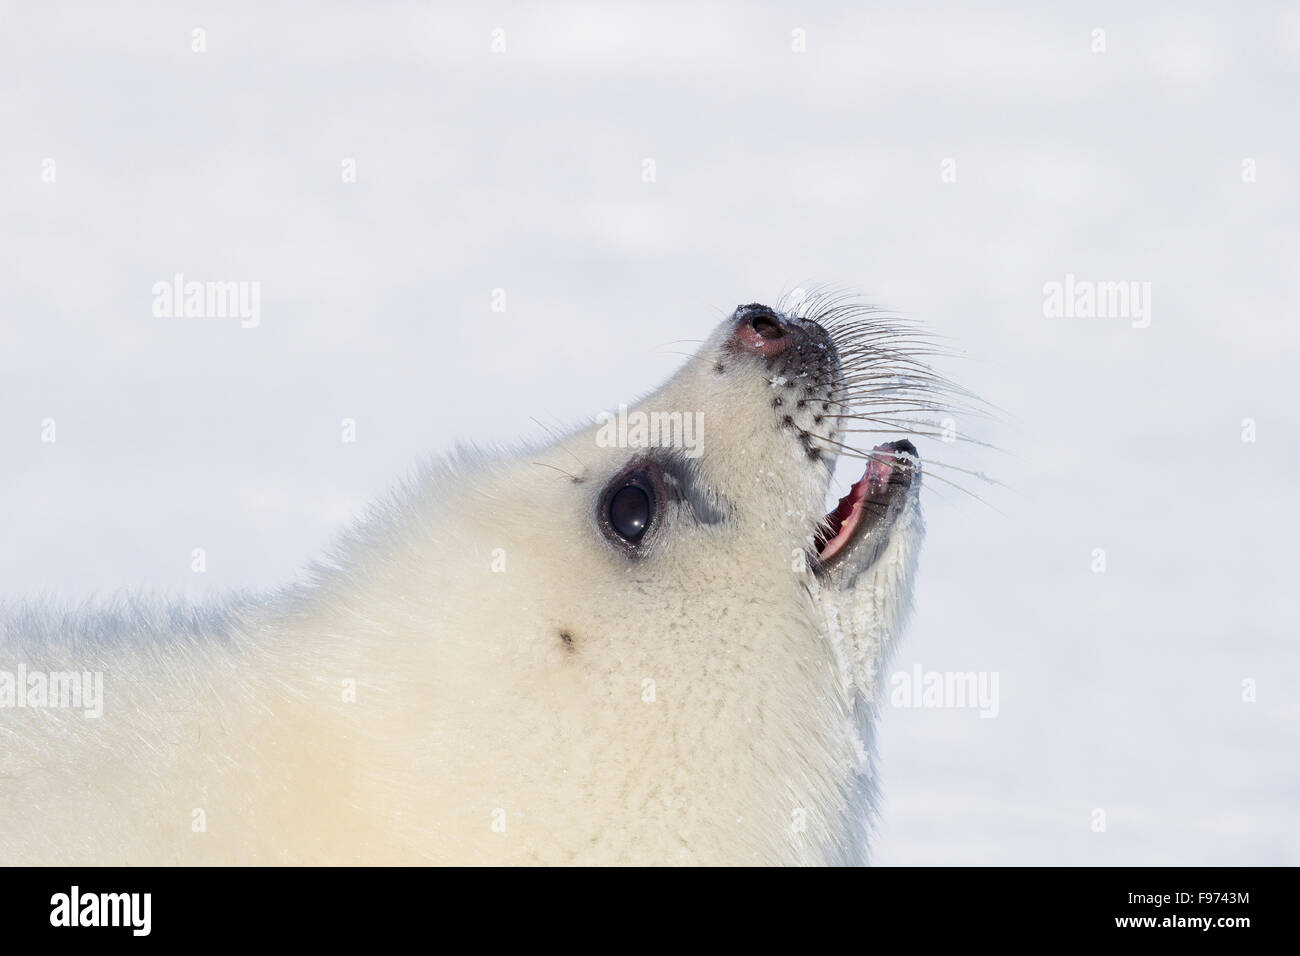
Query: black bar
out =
(919, 906)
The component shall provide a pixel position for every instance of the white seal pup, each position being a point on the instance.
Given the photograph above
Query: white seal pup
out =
(634, 646)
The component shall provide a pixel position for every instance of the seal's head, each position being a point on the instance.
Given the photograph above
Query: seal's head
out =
(731, 460)
(649, 638)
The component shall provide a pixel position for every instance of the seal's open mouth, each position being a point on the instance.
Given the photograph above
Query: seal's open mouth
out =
(888, 475)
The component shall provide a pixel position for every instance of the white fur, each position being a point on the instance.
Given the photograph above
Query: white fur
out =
(470, 710)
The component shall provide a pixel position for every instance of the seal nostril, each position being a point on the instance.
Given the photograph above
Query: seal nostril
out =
(766, 325)
(765, 331)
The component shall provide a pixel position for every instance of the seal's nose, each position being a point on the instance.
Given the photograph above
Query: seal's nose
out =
(760, 329)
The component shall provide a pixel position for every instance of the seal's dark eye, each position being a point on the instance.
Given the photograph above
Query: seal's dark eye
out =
(629, 512)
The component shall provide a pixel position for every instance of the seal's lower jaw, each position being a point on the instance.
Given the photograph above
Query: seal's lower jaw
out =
(859, 527)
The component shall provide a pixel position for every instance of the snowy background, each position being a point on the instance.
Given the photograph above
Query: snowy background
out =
(522, 170)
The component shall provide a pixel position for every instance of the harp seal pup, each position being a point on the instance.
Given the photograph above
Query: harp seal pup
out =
(576, 654)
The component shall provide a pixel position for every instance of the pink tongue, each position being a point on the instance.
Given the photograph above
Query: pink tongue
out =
(848, 512)
(845, 517)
